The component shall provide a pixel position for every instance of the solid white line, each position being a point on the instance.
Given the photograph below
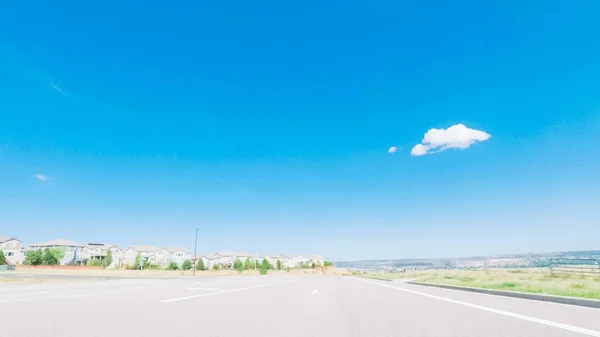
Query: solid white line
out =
(222, 292)
(314, 291)
(553, 324)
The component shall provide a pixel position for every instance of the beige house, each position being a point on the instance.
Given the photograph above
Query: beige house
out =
(75, 252)
(148, 252)
(13, 249)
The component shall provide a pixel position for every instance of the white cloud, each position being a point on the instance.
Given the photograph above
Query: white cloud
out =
(455, 137)
(41, 177)
(392, 149)
(62, 91)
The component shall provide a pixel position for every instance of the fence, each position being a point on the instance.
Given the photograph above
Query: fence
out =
(584, 267)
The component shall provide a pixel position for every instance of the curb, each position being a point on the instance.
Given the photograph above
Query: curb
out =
(583, 302)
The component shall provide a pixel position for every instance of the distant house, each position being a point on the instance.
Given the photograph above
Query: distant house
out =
(99, 251)
(13, 249)
(148, 252)
(173, 254)
(75, 252)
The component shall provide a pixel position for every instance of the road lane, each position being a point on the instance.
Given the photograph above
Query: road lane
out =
(264, 306)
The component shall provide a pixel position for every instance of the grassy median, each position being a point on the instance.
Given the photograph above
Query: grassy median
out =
(537, 281)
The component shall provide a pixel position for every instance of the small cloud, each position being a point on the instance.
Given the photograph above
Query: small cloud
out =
(455, 137)
(41, 177)
(62, 91)
(392, 149)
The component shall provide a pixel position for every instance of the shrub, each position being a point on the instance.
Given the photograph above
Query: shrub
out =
(215, 266)
(287, 269)
(187, 265)
(2, 258)
(172, 266)
(278, 265)
(238, 265)
(200, 265)
(328, 263)
(313, 265)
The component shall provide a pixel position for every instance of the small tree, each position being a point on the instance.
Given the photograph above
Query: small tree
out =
(287, 269)
(200, 265)
(52, 256)
(33, 258)
(278, 265)
(187, 265)
(238, 265)
(215, 266)
(265, 264)
(248, 264)
(313, 265)
(2, 258)
(172, 266)
(328, 263)
(108, 260)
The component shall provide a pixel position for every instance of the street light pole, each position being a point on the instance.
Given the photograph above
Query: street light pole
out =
(195, 252)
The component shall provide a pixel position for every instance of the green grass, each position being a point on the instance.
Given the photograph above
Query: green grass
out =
(527, 280)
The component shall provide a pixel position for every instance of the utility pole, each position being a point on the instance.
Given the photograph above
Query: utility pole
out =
(195, 252)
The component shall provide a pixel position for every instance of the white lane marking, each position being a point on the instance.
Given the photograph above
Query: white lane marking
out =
(222, 292)
(553, 324)
(314, 291)
(209, 289)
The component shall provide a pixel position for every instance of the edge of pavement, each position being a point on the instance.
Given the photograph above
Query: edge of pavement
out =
(584, 302)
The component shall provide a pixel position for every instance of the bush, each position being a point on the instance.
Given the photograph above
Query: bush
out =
(33, 258)
(328, 263)
(172, 266)
(187, 265)
(313, 265)
(215, 266)
(287, 269)
(2, 258)
(278, 265)
(238, 265)
(94, 263)
(200, 265)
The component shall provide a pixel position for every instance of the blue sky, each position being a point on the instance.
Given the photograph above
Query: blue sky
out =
(267, 125)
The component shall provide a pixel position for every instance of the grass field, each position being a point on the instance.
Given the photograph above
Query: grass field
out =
(523, 280)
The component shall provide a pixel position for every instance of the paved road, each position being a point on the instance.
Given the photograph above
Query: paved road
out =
(279, 306)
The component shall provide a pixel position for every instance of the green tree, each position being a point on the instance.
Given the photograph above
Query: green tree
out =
(187, 265)
(264, 267)
(2, 258)
(200, 265)
(238, 265)
(52, 256)
(278, 265)
(328, 263)
(313, 265)
(33, 258)
(136, 265)
(248, 264)
(172, 266)
(108, 260)
(215, 266)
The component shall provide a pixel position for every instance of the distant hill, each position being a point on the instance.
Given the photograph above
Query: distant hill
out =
(528, 260)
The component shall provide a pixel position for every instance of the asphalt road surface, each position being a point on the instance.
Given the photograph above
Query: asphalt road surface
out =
(316, 306)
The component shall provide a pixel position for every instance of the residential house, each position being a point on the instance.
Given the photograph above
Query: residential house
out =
(13, 249)
(173, 254)
(99, 251)
(74, 251)
(148, 252)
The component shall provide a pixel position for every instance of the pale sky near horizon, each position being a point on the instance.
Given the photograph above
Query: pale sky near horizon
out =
(346, 129)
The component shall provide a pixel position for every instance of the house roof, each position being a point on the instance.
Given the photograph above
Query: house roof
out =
(224, 253)
(177, 249)
(58, 242)
(140, 248)
(7, 238)
(244, 254)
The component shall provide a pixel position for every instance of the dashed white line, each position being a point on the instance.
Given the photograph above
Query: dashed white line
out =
(553, 324)
(314, 291)
(221, 292)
